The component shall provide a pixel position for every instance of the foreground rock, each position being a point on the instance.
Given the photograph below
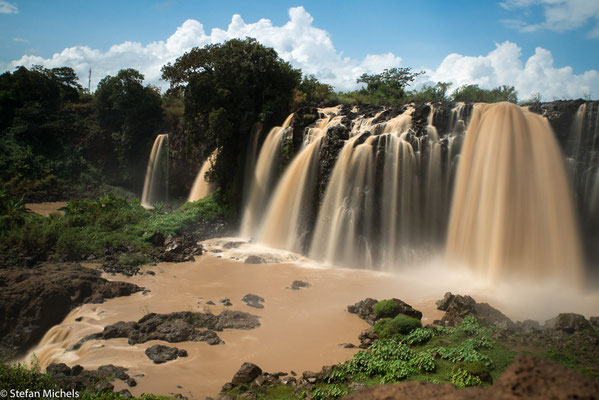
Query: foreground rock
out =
(161, 354)
(528, 377)
(176, 327)
(33, 300)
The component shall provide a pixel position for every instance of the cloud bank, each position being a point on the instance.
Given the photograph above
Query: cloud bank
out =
(560, 15)
(8, 8)
(310, 48)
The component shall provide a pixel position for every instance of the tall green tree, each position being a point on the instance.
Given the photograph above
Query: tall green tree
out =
(390, 85)
(227, 88)
(130, 115)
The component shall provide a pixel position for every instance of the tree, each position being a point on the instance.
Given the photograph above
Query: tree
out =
(477, 94)
(131, 114)
(388, 86)
(312, 91)
(435, 93)
(227, 88)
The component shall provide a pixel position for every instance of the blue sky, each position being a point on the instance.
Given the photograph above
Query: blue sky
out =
(484, 42)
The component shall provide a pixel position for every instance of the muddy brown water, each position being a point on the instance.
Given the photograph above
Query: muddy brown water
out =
(47, 208)
(301, 329)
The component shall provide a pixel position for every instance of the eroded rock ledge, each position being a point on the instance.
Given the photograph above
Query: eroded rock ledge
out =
(35, 299)
(176, 327)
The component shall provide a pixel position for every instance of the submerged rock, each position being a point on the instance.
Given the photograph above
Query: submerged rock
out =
(254, 259)
(253, 300)
(297, 285)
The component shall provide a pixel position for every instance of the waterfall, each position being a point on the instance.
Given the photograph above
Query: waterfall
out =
(512, 212)
(157, 166)
(262, 180)
(201, 187)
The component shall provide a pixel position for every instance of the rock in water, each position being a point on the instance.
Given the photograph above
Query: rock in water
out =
(253, 259)
(161, 354)
(253, 300)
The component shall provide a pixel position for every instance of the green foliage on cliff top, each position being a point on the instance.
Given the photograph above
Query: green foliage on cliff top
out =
(90, 226)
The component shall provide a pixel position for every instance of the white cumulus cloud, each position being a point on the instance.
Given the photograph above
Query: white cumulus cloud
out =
(8, 8)
(559, 15)
(297, 41)
(504, 66)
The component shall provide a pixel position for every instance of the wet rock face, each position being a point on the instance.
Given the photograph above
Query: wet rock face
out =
(177, 327)
(254, 259)
(33, 300)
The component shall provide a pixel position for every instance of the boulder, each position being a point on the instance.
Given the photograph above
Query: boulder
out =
(161, 354)
(569, 323)
(297, 285)
(246, 374)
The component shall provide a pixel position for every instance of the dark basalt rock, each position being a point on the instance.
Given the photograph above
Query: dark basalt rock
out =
(177, 327)
(77, 378)
(33, 300)
(246, 374)
(457, 307)
(161, 354)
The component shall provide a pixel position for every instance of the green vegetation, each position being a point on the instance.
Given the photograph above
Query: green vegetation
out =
(401, 324)
(91, 226)
(475, 93)
(386, 309)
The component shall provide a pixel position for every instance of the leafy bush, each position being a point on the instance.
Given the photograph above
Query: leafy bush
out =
(329, 392)
(419, 336)
(401, 324)
(22, 377)
(423, 361)
(386, 309)
(462, 378)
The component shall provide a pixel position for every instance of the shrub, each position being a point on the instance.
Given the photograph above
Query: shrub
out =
(419, 336)
(424, 362)
(462, 378)
(386, 309)
(401, 324)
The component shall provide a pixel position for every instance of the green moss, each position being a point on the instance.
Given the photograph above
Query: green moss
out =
(386, 309)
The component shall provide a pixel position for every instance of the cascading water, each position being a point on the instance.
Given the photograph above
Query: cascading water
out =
(512, 212)
(262, 181)
(201, 187)
(288, 219)
(156, 173)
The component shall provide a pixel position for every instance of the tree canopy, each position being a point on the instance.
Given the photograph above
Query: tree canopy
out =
(389, 84)
(227, 88)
